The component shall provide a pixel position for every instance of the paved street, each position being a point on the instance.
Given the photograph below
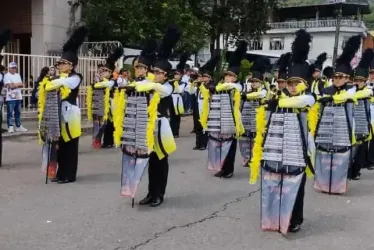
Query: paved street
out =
(200, 211)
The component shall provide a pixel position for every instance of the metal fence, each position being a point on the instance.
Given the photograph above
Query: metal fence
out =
(29, 67)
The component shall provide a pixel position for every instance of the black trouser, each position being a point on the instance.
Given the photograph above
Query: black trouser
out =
(195, 114)
(108, 139)
(158, 171)
(201, 136)
(371, 154)
(175, 121)
(297, 217)
(67, 158)
(360, 159)
(229, 162)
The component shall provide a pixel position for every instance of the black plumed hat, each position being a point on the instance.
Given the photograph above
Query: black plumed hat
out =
(259, 68)
(362, 70)
(299, 68)
(236, 58)
(318, 64)
(328, 72)
(182, 62)
(343, 63)
(148, 55)
(113, 58)
(70, 48)
(209, 67)
(284, 62)
(171, 38)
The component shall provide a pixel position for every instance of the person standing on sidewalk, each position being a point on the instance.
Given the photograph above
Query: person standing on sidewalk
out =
(13, 84)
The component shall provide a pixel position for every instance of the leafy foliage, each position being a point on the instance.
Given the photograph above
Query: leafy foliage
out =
(133, 22)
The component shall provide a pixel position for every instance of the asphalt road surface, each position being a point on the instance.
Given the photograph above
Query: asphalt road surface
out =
(200, 211)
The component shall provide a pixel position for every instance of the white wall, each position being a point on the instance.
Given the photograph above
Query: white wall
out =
(50, 22)
(323, 41)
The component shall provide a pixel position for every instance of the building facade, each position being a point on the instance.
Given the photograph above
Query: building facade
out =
(320, 21)
(39, 26)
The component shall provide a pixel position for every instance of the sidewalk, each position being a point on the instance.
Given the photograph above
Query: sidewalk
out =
(32, 127)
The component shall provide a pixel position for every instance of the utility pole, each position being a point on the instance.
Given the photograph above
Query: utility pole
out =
(337, 30)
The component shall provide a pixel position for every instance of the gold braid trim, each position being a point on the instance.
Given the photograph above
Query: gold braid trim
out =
(205, 112)
(237, 115)
(106, 104)
(255, 163)
(64, 92)
(312, 117)
(119, 117)
(89, 102)
(152, 117)
(41, 103)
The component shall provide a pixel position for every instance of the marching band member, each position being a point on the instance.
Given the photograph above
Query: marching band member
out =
(282, 73)
(334, 136)
(99, 103)
(221, 118)
(283, 147)
(328, 75)
(251, 101)
(179, 86)
(59, 115)
(318, 83)
(361, 114)
(142, 127)
(205, 76)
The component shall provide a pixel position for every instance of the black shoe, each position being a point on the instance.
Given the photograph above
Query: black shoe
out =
(202, 148)
(219, 174)
(176, 136)
(156, 202)
(371, 167)
(228, 176)
(54, 180)
(147, 200)
(294, 228)
(196, 148)
(193, 131)
(107, 146)
(65, 181)
(356, 178)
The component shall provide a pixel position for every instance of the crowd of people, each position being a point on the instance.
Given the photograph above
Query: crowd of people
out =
(307, 121)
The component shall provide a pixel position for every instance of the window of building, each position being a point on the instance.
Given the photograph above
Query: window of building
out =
(345, 39)
(255, 44)
(277, 43)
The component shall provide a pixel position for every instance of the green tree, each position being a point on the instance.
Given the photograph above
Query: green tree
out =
(133, 22)
(234, 19)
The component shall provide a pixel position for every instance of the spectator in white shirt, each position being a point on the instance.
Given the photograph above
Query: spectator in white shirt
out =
(13, 84)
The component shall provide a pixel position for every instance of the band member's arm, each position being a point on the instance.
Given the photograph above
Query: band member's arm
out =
(104, 84)
(257, 95)
(163, 89)
(181, 88)
(71, 82)
(228, 86)
(365, 93)
(297, 101)
(345, 96)
(189, 89)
